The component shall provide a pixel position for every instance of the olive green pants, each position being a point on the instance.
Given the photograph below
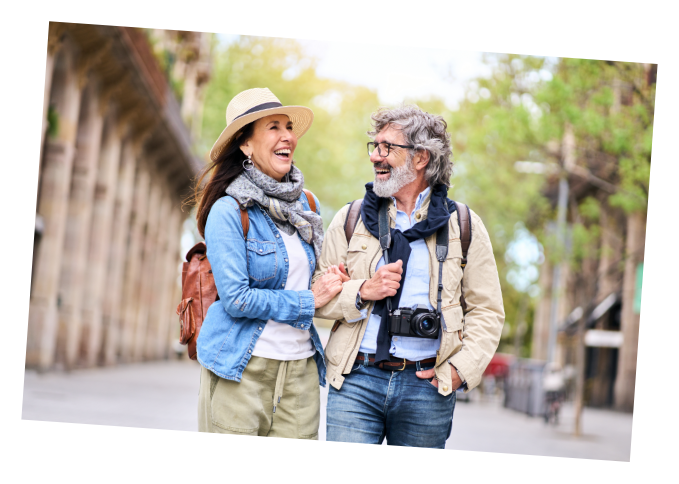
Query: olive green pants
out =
(273, 399)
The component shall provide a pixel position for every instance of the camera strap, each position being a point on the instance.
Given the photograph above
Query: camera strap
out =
(385, 236)
(441, 254)
(441, 249)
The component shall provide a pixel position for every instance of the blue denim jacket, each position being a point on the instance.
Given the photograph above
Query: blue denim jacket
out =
(250, 278)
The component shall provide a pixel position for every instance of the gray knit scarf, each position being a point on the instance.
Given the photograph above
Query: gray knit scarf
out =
(280, 201)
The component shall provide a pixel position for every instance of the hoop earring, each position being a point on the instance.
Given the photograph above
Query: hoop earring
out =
(248, 164)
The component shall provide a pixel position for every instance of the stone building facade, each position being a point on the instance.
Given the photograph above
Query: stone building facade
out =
(116, 164)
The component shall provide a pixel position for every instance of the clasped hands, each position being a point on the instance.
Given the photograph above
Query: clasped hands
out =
(384, 283)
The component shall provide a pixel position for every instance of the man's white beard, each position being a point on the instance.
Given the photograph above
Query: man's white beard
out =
(399, 178)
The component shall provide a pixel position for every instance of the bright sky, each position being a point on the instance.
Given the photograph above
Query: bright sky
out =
(409, 72)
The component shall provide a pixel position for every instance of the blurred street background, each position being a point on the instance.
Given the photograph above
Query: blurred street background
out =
(164, 395)
(552, 153)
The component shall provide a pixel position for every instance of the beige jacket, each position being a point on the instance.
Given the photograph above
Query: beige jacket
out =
(469, 340)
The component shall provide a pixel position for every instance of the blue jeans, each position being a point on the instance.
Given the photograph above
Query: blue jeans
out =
(373, 404)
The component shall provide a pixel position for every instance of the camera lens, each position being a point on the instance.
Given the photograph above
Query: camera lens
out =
(425, 325)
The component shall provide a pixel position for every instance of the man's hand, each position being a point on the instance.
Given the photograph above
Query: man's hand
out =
(427, 374)
(384, 283)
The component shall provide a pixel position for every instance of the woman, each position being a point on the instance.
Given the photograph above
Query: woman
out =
(261, 356)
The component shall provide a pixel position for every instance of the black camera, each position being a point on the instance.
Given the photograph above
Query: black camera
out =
(417, 322)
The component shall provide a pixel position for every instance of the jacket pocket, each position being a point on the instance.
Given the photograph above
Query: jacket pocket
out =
(357, 258)
(451, 341)
(262, 263)
(338, 342)
(452, 316)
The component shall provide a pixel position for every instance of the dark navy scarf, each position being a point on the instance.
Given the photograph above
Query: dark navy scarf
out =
(439, 213)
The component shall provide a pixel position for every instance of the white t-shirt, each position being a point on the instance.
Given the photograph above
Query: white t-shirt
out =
(281, 341)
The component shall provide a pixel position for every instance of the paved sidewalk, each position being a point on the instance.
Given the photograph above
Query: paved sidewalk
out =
(164, 395)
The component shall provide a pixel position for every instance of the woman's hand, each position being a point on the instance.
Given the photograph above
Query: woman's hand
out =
(340, 271)
(326, 288)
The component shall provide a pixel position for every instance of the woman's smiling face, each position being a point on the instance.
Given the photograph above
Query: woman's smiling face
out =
(272, 145)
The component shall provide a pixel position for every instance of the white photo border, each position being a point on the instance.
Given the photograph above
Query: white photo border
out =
(637, 470)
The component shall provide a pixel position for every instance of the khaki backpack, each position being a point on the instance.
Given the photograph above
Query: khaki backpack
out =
(198, 286)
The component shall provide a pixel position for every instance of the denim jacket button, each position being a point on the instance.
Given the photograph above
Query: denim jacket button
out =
(249, 351)
(286, 260)
(283, 285)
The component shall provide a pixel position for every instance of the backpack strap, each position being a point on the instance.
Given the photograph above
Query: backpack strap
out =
(310, 198)
(245, 220)
(464, 220)
(352, 218)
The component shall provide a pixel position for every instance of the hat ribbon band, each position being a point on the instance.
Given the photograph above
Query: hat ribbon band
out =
(259, 107)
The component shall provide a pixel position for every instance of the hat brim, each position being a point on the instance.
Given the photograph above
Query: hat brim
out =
(301, 118)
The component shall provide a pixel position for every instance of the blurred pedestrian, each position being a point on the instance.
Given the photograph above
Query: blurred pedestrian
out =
(403, 345)
(261, 357)
(553, 386)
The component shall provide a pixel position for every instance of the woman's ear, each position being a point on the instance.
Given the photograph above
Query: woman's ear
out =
(245, 148)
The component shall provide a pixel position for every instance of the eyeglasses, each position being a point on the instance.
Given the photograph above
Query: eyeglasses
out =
(383, 148)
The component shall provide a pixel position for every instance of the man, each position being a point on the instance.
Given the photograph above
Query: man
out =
(393, 384)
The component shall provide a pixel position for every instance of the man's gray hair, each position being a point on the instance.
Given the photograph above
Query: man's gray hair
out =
(426, 132)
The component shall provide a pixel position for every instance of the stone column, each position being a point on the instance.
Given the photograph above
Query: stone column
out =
(133, 266)
(170, 264)
(100, 240)
(56, 30)
(55, 184)
(147, 272)
(158, 273)
(121, 229)
(72, 280)
(627, 357)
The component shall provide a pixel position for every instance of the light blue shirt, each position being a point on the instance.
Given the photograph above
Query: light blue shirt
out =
(415, 291)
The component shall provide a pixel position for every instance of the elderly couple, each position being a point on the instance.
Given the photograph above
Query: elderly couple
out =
(401, 344)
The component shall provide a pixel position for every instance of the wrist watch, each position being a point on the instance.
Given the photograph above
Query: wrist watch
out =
(359, 301)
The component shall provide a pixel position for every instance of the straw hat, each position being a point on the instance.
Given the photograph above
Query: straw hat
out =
(253, 104)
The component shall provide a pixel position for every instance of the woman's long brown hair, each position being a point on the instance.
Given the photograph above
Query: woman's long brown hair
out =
(222, 172)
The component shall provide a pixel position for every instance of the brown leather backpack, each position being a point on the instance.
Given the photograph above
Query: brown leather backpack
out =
(198, 286)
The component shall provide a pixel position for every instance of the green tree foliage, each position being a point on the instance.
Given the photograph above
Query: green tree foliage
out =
(332, 154)
(495, 126)
(610, 106)
(518, 113)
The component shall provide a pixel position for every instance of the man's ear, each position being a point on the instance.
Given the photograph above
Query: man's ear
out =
(421, 159)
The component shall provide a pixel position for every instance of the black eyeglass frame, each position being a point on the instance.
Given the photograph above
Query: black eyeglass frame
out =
(389, 145)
